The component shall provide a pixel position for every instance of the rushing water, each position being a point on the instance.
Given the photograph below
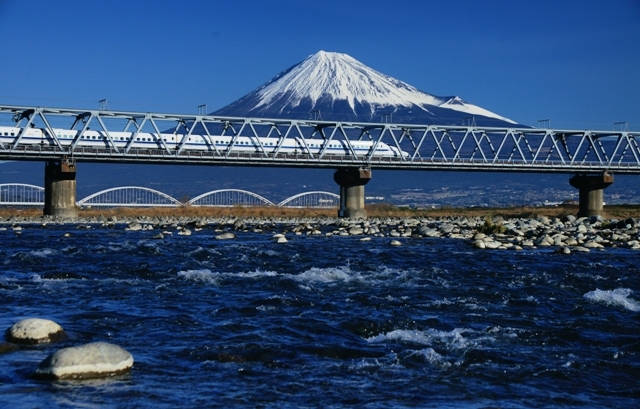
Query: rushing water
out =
(322, 321)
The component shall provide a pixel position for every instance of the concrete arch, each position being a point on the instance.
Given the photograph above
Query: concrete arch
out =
(334, 199)
(21, 194)
(121, 196)
(208, 199)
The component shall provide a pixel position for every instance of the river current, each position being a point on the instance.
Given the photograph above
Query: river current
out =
(321, 321)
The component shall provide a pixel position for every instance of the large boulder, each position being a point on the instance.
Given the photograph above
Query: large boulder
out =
(95, 360)
(35, 331)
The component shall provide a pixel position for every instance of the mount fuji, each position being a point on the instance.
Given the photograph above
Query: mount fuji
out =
(336, 87)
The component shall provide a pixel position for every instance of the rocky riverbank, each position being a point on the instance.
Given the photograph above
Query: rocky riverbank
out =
(565, 234)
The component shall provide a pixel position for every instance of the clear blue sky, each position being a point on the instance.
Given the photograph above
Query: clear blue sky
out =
(576, 63)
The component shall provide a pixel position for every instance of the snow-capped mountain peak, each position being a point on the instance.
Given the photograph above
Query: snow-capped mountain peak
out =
(341, 77)
(342, 88)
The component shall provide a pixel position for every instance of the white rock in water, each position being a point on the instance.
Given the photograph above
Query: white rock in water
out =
(134, 227)
(395, 243)
(281, 240)
(492, 245)
(225, 236)
(185, 232)
(365, 239)
(479, 244)
(35, 331)
(95, 360)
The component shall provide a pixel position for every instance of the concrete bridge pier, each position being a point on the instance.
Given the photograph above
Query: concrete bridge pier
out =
(591, 195)
(60, 188)
(352, 181)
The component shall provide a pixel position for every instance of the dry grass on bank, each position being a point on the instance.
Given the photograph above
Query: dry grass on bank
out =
(377, 210)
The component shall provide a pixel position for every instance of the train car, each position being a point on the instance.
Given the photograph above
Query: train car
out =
(240, 144)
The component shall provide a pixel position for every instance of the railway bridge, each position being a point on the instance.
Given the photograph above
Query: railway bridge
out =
(70, 136)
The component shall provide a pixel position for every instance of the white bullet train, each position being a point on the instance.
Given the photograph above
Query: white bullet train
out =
(242, 144)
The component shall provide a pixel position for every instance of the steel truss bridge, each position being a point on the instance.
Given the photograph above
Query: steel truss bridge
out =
(17, 194)
(427, 147)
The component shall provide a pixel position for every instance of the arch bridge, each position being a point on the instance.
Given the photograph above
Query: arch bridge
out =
(18, 194)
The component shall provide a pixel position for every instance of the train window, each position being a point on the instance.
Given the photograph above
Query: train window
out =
(12, 134)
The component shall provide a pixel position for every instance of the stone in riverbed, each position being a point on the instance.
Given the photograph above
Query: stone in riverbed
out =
(492, 244)
(94, 360)
(134, 227)
(593, 245)
(225, 236)
(581, 249)
(479, 244)
(35, 331)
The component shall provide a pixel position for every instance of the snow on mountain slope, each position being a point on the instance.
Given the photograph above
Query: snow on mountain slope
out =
(342, 88)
